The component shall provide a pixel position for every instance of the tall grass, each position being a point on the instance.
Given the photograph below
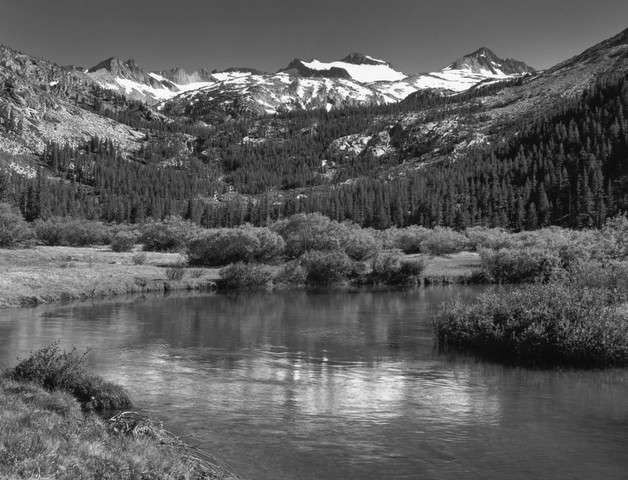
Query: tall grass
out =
(58, 370)
(539, 325)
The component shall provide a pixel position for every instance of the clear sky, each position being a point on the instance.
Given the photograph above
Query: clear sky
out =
(415, 35)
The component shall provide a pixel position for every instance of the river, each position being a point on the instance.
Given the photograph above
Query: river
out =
(331, 386)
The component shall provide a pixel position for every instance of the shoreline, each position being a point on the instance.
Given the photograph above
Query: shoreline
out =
(46, 275)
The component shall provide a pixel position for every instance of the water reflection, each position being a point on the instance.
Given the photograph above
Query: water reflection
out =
(339, 386)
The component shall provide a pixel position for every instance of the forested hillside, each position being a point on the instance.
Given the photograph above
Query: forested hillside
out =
(568, 168)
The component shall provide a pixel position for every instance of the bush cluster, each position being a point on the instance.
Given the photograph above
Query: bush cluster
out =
(392, 269)
(55, 369)
(228, 245)
(242, 275)
(14, 231)
(170, 235)
(72, 232)
(552, 324)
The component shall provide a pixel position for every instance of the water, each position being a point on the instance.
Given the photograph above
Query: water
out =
(338, 386)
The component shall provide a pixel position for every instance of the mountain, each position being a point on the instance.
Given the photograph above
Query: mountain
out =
(484, 140)
(41, 102)
(356, 66)
(356, 79)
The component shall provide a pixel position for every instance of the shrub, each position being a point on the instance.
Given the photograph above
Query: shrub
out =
(139, 258)
(242, 275)
(514, 265)
(549, 324)
(123, 241)
(393, 269)
(409, 239)
(170, 235)
(313, 231)
(55, 369)
(614, 239)
(228, 245)
(360, 244)
(292, 273)
(72, 232)
(493, 238)
(442, 241)
(175, 273)
(14, 231)
(325, 268)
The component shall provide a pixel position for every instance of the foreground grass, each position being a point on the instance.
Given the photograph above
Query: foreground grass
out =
(50, 274)
(47, 432)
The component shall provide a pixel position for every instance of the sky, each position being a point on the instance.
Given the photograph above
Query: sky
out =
(414, 35)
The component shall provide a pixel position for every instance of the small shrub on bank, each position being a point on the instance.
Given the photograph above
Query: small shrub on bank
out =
(175, 273)
(552, 324)
(170, 235)
(228, 245)
(409, 239)
(360, 244)
(139, 258)
(443, 241)
(313, 231)
(242, 275)
(492, 238)
(519, 266)
(55, 369)
(14, 231)
(123, 241)
(72, 232)
(326, 268)
(393, 269)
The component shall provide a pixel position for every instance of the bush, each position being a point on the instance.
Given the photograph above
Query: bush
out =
(515, 266)
(443, 241)
(14, 231)
(493, 238)
(229, 245)
(139, 258)
(553, 324)
(393, 269)
(175, 273)
(170, 235)
(242, 275)
(325, 268)
(123, 241)
(360, 244)
(313, 231)
(72, 232)
(409, 239)
(292, 273)
(55, 369)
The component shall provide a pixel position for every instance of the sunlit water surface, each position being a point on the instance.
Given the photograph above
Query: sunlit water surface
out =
(338, 386)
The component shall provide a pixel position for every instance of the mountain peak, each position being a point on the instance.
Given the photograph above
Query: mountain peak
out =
(485, 60)
(357, 58)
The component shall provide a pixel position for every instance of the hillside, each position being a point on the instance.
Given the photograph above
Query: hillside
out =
(247, 146)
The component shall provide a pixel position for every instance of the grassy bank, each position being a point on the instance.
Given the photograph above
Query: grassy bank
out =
(47, 430)
(42, 275)
(49, 274)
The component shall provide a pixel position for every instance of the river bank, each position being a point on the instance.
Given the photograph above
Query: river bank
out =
(48, 428)
(42, 275)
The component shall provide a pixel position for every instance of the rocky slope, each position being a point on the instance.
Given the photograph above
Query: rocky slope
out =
(42, 102)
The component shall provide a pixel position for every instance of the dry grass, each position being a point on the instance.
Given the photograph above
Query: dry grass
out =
(453, 268)
(45, 434)
(49, 274)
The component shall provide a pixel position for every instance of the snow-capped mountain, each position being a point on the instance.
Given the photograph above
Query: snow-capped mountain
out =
(356, 79)
(356, 66)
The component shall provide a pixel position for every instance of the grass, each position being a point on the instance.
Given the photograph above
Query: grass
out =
(46, 432)
(49, 274)
(42, 275)
(559, 323)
